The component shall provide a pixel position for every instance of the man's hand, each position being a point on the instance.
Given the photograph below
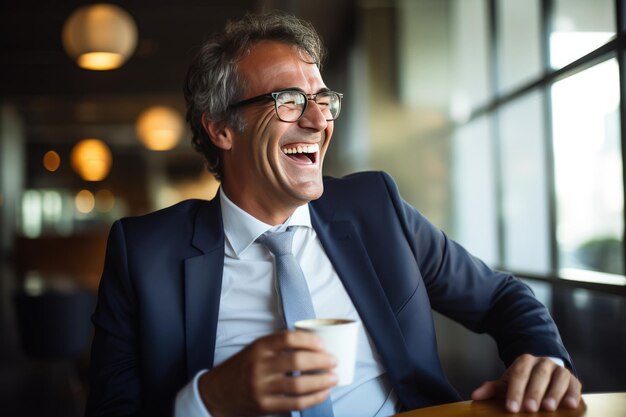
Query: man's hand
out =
(532, 383)
(256, 381)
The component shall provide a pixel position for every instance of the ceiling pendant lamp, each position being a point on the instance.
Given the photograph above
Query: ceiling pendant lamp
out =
(100, 36)
(160, 128)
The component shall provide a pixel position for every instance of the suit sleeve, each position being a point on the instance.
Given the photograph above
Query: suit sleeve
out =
(115, 388)
(463, 288)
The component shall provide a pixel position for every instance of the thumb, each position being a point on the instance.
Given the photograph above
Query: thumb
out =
(489, 389)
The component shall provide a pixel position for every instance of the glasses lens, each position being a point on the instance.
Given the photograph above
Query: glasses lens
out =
(290, 105)
(329, 103)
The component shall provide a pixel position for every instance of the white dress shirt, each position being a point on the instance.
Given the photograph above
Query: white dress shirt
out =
(249, 309)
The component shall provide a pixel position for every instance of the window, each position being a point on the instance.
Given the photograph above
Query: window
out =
(588, 169)
(470, 56)
(474, 189)
(525, 208)
(519, 42)
(579, 27)
(538, 145)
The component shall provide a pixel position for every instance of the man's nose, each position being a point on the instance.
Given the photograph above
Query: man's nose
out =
(313, 118)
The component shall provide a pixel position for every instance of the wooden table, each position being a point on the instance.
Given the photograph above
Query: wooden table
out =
(595, 405)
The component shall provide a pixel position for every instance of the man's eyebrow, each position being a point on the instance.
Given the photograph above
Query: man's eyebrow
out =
(321, 90)
(290, 89)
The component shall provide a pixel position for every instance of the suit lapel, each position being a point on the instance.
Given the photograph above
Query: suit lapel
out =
(203, 283)
(354, 267)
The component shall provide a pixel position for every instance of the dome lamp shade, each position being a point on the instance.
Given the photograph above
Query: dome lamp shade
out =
(100, 36)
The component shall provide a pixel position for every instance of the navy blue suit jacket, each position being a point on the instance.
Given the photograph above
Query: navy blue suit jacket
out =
(160, 290)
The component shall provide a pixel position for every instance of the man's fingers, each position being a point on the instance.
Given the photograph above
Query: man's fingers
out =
(280, 403)
(567, 392)
(518, 376)
(291, 340)
(532, 383)
(303, 384)
(561, 380)
(303, 361)
(573, 395)
(541, 376)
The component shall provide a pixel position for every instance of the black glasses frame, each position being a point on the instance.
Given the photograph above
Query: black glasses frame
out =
(274, 95)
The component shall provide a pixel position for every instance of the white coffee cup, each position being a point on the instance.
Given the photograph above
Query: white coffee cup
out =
(340, 338)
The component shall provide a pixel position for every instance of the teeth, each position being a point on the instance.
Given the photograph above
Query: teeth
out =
(302, 149)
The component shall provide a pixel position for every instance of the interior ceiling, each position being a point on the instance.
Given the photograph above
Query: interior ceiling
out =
(61, 103)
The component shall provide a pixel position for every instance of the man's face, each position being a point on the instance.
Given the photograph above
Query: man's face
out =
(261, 175)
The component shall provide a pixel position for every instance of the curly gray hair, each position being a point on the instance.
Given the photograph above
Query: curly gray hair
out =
(212, 83)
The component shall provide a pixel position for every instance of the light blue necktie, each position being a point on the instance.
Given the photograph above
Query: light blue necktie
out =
(294, 295)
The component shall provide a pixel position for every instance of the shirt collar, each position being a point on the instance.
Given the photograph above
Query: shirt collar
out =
(242, 229)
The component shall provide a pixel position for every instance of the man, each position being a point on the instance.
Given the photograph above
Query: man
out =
(188, 304)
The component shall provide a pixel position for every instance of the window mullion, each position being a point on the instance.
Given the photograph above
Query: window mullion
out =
(494, 85)
(547, 7)
(620, 15)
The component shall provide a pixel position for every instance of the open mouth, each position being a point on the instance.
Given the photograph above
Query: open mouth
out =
(302, 153)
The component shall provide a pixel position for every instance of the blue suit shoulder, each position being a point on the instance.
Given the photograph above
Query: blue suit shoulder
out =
(176, 213)
(362, 183)
(171, 223)
(366, 192)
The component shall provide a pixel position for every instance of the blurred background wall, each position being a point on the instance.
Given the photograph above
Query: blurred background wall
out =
(500, 120)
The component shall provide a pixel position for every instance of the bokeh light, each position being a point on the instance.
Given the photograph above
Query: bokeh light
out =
(51, 161)
(160, 128)
(91, 159)
(84, 201)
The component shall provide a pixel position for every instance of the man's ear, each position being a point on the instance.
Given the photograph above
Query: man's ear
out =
(220, 133)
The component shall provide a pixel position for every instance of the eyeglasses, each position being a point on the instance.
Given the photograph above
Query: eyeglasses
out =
(290, 105)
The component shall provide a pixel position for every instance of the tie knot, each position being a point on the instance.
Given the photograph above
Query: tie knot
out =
(279, 243)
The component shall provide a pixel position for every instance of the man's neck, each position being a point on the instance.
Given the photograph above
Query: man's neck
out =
(272, 214)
